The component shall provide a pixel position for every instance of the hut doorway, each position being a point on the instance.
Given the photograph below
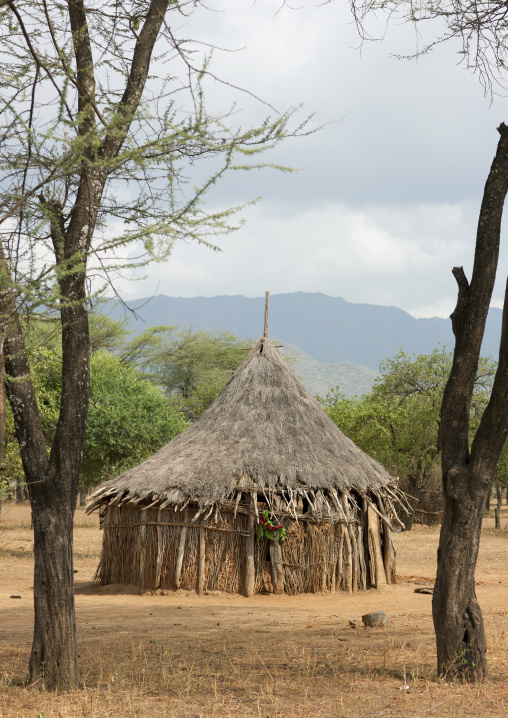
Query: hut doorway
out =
(267, 571)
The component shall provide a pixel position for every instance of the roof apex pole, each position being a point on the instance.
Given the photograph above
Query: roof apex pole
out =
(267, 296)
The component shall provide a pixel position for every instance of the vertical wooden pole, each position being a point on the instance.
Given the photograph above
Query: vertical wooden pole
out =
(277, 567)
(180, 555)
(375, 547)
(160, 550)
(334, 573)
(267, 296)
(323, 575)
(394, 561)
(142, 553)
(370, 569)
(250, 568)
(387, 545)
(354, 548)
(340, 560)
(349, 559)
(361, 558)
(202, 557)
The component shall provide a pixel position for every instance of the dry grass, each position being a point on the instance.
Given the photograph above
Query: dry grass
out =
(308, 675)
(187, 657)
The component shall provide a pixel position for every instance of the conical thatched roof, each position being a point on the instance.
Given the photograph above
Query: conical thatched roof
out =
(264, 431)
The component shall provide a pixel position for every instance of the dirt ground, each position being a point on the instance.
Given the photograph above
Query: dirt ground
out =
(180, 654)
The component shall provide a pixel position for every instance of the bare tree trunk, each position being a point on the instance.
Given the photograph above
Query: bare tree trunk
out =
(54, 659)
(489, 499)
(413, 490)
(52, 482)
(499, 497)
(460, 633)
(20, 493)
(468, 472)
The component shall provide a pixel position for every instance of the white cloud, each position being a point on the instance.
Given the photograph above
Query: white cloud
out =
(400, 256)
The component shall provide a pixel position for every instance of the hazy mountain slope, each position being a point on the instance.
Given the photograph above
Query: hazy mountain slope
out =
(327, 328)
(351, 379)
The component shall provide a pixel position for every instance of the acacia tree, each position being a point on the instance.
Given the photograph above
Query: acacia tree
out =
(97, 126)
(190, 365)
(468, 468)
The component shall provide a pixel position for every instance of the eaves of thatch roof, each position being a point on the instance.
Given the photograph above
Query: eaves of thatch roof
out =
(264, 432)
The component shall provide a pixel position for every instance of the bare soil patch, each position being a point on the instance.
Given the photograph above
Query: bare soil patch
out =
(179, 654)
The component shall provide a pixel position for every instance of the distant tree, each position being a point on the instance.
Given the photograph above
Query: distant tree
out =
(106, 333)
(398, 422)
(500, 484)
(192, 366)
(129, 419)
(416, 386)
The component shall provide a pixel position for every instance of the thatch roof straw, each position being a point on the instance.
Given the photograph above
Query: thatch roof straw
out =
(264, 431)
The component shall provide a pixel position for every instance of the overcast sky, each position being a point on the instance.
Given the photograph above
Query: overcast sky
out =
(388, 194)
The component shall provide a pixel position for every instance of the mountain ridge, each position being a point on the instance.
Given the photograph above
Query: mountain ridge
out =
(329, 329)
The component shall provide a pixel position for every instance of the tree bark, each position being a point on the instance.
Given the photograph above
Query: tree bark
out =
(468, 472)
(458, 621)
(499, 497)
(3, 414)
(53, 660)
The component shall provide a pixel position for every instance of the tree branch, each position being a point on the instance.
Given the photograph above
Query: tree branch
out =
(84, 65)
(137, 78)
(494, 422)
(471, 311)
(18, 383)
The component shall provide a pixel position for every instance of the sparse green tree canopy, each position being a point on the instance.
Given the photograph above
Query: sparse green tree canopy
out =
(398, 422)
(129, 419)
(191, 365)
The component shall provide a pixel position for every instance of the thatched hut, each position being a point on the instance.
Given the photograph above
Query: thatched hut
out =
(188, 516)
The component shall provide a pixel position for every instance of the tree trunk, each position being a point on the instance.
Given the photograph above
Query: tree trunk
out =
(53, 660)
(489, 499)
(499, 497)
(458, 621)
(414, 485)
(468, 469)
